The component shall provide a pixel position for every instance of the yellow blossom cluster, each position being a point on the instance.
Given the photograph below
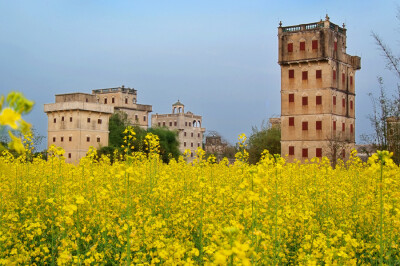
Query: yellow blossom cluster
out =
(143, 211)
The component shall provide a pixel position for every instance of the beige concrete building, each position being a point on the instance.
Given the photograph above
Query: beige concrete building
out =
(188, 126)
(125, 100)
(317, 91)
(77, 121)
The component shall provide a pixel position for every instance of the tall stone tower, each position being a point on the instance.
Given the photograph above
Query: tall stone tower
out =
(317, 91)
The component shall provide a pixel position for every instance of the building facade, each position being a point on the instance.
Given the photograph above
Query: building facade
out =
(125, 100)
(188, 126)
(77, 121)
(317, 91)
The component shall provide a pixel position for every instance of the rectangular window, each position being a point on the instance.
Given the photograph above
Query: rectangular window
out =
(144, 118)
(291, 150)
(191, 144)
(334, 125)
(291, 73)
(343, 77)
(291, 121)
(351, 128)
(105, 100)
(98, 139)
(126, 100)
(112, 100)
(334, 74)
(335, 46)
(304, 125)
(343, 153)
(70, 138)
(159, 123)
(55, 120)
(175, 123)
(87, 100)
(315, 44)
(70, 119)
(291, 98)
(184, 144)
(88, 120)
(290, 47)
(351, 80)
(343, 127)
(184, 134)
(190, 124)
(54, 139)
(302, 46)
(62, 139)
(343, 102)
(318, 100)
(69, 155)
(191, 134)
(351, 105)
(198, 135)
(87, 139)
(334, 100)
(318, 125)
(305, 100)
(318, 152)
(170, 124)
(62, 119)
(198, 144)
(318, 74)
(304, 75)
(185, 124)
(99, 121)
(304, 153)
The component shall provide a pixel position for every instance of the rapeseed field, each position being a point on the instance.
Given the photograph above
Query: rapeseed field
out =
(141, 211)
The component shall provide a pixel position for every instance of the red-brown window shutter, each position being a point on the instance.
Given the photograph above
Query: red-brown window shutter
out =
(334, 74)
(334, 100)
(318, 100)
(290, 47)
(305, 75)
(315, 44)
(305, 100)
(351, 128)
(305, 153)
(343, 127)
(343, 77)
(318, 74)
(302, 46)
(351, 80)
(335, 46)
(343, 102)
(334, 125)
(291, 73)
(318, 125)
(318, 152)
(351, 105)
(304, 125)
(291, 121)
(291, 150)
(343, 153)
(291, 98)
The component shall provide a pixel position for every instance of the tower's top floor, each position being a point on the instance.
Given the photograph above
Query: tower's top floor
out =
(121, 89)
(318, 41)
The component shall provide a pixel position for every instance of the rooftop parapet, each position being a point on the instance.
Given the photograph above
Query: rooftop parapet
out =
(113, 90)
(83, 106)
(313, 26)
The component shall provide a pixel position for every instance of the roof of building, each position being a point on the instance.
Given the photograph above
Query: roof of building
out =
(177, 103)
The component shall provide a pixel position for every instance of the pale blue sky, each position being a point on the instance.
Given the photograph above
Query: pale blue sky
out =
(218, 57)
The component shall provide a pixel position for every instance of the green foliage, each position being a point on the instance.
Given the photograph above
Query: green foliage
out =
(117, 124)
(119, 121)
(265, 138)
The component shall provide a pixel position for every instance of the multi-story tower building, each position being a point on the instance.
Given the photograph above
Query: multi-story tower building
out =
(125, 100)
(75, 122)
(188, 126)
(317, 91)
